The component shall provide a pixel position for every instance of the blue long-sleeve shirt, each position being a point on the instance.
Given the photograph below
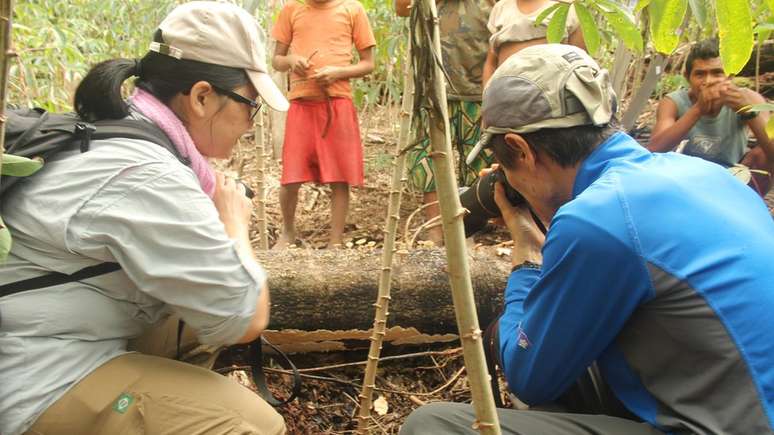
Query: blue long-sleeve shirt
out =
(660, 268)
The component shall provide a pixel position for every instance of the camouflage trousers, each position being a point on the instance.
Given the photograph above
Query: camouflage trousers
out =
(465, 124)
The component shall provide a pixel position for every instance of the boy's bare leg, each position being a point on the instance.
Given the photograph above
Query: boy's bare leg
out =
(288, 200)
(339, 208)
(434, 234)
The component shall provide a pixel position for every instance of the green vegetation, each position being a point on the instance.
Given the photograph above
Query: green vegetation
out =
(58, 41)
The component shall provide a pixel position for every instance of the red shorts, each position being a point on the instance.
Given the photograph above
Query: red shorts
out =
(308, 156)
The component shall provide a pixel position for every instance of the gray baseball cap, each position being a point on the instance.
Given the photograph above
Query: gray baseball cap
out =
(221, 34)
(545, 86)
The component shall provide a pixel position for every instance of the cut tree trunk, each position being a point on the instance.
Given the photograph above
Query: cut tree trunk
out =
(335, 289)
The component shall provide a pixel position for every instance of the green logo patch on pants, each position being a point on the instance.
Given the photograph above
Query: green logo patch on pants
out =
(123, 402)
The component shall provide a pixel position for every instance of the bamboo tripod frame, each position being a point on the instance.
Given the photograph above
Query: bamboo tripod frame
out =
(385, 278)
(260, 188)
(456, 251)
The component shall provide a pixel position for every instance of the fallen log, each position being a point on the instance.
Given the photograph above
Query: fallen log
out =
(335, 289)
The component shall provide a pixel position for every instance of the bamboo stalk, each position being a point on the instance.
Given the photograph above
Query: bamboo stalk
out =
(6, 15)
(260, 188)
(391, 229)
(452, 214)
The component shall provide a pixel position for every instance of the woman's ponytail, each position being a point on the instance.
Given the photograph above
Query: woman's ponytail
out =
(98, 96)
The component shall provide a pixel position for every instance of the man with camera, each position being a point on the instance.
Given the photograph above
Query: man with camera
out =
(666, 287)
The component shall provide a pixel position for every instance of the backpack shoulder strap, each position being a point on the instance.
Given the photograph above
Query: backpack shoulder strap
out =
(57, 278)
(135, 129)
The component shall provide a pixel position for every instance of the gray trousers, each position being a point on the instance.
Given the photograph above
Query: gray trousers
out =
(442, 418)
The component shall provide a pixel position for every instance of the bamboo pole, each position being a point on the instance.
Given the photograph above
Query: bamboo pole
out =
(456, 251)
(260, 185)
(6, 15)
(391, 229)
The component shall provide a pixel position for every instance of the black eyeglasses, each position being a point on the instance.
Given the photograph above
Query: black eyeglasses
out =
(255, 105)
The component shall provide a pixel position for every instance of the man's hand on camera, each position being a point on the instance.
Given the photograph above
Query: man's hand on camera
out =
(527, 238)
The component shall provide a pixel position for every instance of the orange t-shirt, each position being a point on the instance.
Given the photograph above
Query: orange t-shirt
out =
(328, 31)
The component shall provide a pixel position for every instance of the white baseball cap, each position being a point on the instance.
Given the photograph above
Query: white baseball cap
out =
(221, 34)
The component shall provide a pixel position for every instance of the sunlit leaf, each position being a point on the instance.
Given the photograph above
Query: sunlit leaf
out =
(19, 166)
(770, 127)
(622, 24)
(763, 27)
(542, 16)
(761, 107)
(5, 241)
(556, 27)
(735, 33)
(588, 27)
(641, 4)
(699, 11)
(666, 16)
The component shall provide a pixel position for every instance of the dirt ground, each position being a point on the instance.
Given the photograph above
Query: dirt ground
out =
(410, 375)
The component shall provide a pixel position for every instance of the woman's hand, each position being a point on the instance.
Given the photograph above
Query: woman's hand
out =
(234, 208)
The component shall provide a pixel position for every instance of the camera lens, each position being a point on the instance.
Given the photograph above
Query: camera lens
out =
(480, 203)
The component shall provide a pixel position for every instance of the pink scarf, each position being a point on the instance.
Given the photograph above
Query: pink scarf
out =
(170, 124)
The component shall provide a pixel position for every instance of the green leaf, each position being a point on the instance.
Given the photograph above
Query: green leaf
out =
(539, 19)
(622, 24)
(770, 127)
(556, 27)
(19, 166)
(699, 11)
(770, 5)
(763, 27)
(5, 241)
(641, 4)
(736, 33)
(761, 107)
(588, 27)
(666, 16)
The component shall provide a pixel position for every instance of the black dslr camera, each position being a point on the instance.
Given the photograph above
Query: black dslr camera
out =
(480, 202)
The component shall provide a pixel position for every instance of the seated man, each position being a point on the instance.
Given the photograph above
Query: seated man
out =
(707, 116)
(666, 285)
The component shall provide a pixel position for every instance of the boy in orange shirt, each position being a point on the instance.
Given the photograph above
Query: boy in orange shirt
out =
(322, 136)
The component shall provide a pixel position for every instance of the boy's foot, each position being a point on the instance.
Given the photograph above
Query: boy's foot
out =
(335, 244)
(284, 242)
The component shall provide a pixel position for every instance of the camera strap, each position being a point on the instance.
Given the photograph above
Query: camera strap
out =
(259, 378)
(537, 221)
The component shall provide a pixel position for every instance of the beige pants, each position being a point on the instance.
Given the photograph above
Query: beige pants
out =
(143, 394)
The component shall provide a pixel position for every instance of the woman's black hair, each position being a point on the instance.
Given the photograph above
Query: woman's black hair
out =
(98, 96)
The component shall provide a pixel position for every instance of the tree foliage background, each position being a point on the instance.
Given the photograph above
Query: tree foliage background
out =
(58, 41)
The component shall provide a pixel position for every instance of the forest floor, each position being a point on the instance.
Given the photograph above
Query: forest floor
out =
(411, 375)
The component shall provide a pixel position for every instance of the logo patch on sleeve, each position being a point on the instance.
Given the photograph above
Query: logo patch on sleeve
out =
(523, 340)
